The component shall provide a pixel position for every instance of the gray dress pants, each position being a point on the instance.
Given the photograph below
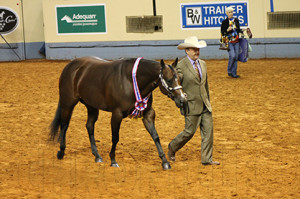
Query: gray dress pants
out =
(192, 122)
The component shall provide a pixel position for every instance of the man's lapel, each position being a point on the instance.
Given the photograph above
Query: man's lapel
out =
(191, 68)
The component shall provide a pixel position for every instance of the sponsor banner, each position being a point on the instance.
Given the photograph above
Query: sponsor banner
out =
(211, 15)
(9, 20)
(81, 19)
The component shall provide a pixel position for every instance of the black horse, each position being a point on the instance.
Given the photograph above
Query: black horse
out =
(108, 85)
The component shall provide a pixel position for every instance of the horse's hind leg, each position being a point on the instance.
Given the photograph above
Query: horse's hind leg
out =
(116, 120)
(66, 113)
(148, 120)
(92, 118)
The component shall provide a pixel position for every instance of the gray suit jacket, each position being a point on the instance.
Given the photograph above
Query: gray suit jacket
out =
(197, 90)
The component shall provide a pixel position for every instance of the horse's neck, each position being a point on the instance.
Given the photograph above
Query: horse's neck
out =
(148, 79)
(149, 88)
(151, 85)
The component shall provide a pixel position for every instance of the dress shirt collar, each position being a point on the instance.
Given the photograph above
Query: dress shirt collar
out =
(193, 62)
(194, 65)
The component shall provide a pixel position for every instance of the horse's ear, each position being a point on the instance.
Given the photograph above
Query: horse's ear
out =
(175, 63)
(162, 63)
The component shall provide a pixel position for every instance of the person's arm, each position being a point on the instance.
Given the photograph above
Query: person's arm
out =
(206, 84)
(224, 27)
(207, 88)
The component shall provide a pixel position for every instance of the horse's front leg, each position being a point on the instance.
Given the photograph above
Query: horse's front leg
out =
(148, 121)
(116, 120)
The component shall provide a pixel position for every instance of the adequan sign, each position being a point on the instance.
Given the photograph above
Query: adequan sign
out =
(211, 15)
(9, 20)
(81, 19)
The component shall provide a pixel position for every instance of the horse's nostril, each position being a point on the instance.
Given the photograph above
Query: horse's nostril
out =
(183, 99)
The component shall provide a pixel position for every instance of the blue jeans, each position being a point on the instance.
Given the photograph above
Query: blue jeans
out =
(233, 58)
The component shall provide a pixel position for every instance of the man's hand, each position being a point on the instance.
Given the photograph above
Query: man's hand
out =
(229, 28)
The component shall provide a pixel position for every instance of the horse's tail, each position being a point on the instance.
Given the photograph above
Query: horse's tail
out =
(55, 125)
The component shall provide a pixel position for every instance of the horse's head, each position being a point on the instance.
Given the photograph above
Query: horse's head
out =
(169, 85)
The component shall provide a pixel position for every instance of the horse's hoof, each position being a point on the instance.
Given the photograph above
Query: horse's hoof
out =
(60, 155)
(98, 160)
(166, 166)
(114, 165)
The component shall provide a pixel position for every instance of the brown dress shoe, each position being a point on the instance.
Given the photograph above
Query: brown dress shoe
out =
(211, 163)
(171, 153)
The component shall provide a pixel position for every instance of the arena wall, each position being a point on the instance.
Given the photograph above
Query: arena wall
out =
(39, 24)
(16, 38)
(28, 37)
(33, 28)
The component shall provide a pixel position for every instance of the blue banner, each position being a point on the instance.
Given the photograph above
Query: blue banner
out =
(211, 15)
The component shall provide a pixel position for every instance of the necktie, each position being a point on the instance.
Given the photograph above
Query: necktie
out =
(197, 68)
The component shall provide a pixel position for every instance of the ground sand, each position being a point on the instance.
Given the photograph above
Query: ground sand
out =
(256, 139)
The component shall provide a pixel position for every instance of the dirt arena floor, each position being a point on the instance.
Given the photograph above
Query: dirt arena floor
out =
(256, 139)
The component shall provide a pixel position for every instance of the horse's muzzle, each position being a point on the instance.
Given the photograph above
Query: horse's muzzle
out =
(184, 108)
(181, 102)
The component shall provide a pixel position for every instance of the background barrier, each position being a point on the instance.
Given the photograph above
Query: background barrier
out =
(75, 28)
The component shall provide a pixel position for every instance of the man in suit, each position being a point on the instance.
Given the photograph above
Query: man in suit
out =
(192, 73)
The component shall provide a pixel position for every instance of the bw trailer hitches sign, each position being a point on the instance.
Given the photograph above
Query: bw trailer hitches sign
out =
(9, 20)
(81, 19)
(211, 15)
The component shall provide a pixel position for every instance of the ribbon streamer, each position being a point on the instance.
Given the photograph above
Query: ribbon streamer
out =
(140, 104)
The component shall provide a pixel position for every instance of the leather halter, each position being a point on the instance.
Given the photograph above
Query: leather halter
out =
(169, 89)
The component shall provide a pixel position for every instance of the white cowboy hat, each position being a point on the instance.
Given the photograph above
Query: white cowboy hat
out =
(192, 42)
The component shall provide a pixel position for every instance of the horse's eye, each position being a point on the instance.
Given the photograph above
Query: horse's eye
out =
(169, 81)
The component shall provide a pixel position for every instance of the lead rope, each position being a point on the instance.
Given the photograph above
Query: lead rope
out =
(140, 103)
